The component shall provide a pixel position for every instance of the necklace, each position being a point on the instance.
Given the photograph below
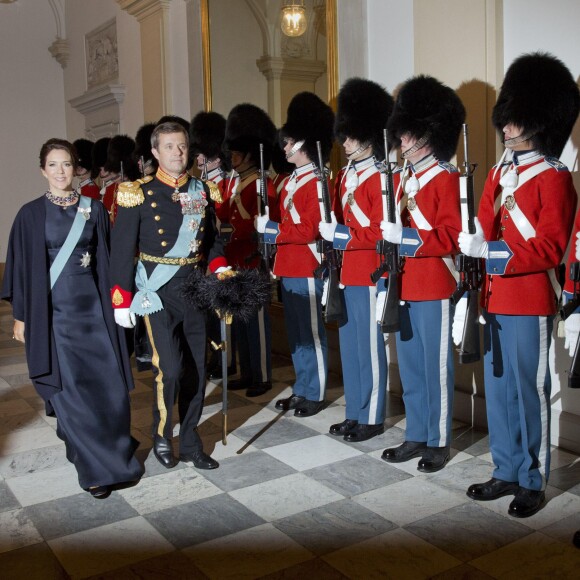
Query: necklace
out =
(62, 201)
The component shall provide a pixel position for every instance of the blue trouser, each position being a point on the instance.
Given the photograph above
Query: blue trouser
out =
(254, 344)
(517, 394)
(424, 350)
(364, 357)
(306, 335)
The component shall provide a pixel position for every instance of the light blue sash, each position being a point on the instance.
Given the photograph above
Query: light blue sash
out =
(146, 300)
(71, 241)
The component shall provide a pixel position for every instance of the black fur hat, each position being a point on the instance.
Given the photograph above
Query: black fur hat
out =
(246, 127)
(363, 110)
(309, 119)
(143, 145)
(539, 95)
(175, 119)
(99, 155)
(425, 106)
(279, 162)
(84, 149)
(120, 150)
(206, 134)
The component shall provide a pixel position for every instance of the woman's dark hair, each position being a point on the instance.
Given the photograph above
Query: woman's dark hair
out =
(62, 144)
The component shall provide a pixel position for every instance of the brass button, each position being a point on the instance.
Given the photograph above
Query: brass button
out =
(157, 218)
(502, 228)
(149, 192)
(201, 229)
(506, 216)
(154, 204)
(160, 231)
(163, 243)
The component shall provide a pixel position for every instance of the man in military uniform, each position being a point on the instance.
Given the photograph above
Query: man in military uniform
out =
(171, 219)
(425, 124)
(525, 216)
(86, 186)
(363, 110)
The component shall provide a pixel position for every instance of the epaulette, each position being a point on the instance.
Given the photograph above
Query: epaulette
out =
(214, 191)
(449, 167)
(555, 163)
(130, 194)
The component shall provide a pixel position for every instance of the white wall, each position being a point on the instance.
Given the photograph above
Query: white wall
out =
(31, 104)
(83, 16)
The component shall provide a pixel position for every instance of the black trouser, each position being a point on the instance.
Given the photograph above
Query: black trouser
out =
(177, 337)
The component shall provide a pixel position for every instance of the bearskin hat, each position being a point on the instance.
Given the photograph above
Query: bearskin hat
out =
(425, 106)
(143, 145)
(99, 155)
(175, 119)
(206, 134)
(246, 127)
(363, 110)
(120, 151)
(279, 162)
(539, 95)
(309, 119)
(84, 149)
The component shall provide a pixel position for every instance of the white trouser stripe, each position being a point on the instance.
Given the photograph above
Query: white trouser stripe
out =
(373, 406)
(540, 385)
(316, 337)
(443, 347)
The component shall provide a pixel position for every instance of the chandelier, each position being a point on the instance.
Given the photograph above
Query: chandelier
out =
(293, 21)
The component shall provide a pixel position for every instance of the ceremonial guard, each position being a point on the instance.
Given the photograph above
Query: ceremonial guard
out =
(363, 110)
(86, 186)
(120, 166)
(282, 168)
(99, 158)
(171, 219)
(425, 124)
(525, 220)
(309, 120)
(247, 128)
(206, 136)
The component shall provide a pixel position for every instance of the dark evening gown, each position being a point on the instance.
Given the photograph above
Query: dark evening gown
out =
(92, 409)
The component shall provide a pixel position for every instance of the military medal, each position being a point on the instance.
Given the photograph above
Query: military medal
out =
(411, 204)
(193, 246)
(290, 204)
(350, 199)
(192, 225)
(85, 259)
(510, 202)
(175, 196)
(145, 303)
(85, 212)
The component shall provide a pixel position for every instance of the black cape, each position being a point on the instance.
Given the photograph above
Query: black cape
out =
(26, 285)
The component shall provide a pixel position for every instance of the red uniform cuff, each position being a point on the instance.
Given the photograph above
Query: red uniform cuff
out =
(216, 263)
(121, 298)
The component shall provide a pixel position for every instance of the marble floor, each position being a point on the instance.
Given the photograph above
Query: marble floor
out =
(288, 501)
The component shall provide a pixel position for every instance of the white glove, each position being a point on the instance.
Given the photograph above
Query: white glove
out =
(381, 299)
(572, 328)
(459, 321)
(392, 232)
(261, 221)
(473, 245)
(578, 247)
(124, 317)
(327, 229)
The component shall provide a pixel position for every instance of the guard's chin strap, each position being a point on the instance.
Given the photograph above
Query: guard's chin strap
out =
(295, 148)
(363, 147)
(509, 143)
(418, 145)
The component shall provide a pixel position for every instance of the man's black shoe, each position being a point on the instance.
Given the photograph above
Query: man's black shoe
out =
(343, 428)
(308, 408)
(433, 459)
(290, 403)
(526, 503)
(164, 452)
(404, 452)
(258, 389)
(492, 489)
(363, 432)
(240, 384)
(199, 459)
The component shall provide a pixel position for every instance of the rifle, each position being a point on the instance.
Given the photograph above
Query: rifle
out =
(565, 311)
(470, 270)
(388, 252)
(264, 249)
(328, 269)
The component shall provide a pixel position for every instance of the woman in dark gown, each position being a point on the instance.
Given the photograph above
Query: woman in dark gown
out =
(76, 357)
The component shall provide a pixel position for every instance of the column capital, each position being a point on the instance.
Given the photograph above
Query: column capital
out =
(141, 9)
(273, 67)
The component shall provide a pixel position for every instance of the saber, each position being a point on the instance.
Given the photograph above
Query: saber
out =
(223, 346)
